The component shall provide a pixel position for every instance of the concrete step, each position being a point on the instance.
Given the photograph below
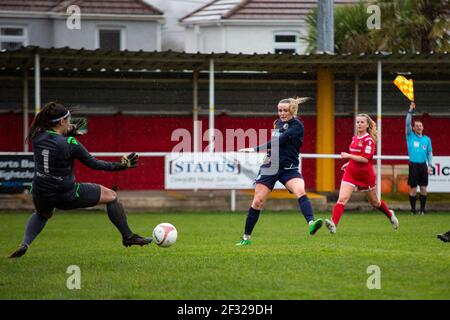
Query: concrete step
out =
(180, 201)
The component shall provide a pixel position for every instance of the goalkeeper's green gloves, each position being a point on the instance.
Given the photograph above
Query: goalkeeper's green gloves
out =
(130, 161)
(75, 127)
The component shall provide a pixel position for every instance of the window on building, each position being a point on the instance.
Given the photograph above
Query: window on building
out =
(13, 37)
(110, 39)
(286, 42)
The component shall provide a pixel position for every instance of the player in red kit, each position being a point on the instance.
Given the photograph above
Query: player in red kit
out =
(359, 174)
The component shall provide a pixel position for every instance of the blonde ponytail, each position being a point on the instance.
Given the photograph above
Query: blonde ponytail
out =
(294, 103)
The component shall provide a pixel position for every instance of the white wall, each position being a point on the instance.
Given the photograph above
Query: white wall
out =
(259, 39)
(39, 30)
(235, 39)
(138, 35)
(211, 39)
(190, 40)
(173, 36)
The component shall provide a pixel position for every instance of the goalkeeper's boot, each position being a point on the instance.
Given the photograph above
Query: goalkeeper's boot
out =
(19, 252)
(314, 226)
(394, 220)
(444, 236)
(330, 226)
(136, 239)
(244, 242)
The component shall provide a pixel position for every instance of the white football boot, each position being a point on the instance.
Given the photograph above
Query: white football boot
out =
(394, 220)
(330, 226)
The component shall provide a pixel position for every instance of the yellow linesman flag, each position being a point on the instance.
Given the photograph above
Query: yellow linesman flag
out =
(405, 86)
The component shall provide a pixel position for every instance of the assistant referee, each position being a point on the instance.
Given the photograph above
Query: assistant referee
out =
(420, 160)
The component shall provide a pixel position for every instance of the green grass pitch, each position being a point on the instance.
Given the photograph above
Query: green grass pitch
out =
(284, 261)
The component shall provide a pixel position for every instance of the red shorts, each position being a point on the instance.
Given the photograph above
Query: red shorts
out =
(363, 180)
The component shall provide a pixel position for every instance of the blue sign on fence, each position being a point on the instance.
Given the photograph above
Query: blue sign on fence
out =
(16, 173)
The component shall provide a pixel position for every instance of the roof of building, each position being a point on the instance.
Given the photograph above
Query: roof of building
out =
(125, 7)
(64, 59)
(255, 10)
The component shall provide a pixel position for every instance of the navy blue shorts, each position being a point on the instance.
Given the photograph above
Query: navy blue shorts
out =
(283, 175)
(86, 195)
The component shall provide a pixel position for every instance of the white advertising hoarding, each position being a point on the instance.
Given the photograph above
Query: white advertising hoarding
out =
(232, 170)
(227, 170)
(439, 179)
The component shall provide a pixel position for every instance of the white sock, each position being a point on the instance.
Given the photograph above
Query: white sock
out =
(246, 237)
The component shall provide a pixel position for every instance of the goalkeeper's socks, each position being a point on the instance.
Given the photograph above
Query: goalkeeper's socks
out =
(306, 208)
(338, 210)
(412, 202)
(252, 219)
(116, 214)
(384, 208)
(34, 226)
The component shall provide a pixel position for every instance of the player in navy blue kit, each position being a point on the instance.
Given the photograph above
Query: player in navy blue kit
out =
(54, 186)
(281, 164)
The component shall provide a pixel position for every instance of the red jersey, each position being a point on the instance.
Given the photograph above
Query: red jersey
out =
(363, 146)
(361, 174)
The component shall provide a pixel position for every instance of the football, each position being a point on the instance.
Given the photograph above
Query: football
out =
(165, 235)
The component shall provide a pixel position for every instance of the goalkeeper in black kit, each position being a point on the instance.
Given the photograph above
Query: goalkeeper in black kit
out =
(54, 186)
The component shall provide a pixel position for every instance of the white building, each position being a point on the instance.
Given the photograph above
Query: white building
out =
(109, 25)
(172, 33)
(249, 26)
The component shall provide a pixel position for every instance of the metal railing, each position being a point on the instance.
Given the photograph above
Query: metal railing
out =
(233, 191)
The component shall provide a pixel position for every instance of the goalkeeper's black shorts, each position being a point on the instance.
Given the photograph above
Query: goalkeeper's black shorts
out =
(84, 195)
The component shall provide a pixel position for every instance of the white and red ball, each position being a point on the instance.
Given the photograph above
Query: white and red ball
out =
(165, 235)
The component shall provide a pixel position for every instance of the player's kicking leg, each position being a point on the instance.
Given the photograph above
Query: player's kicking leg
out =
(294, 182)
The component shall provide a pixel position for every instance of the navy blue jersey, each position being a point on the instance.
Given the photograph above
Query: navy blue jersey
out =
(54, 158)
(290, 139)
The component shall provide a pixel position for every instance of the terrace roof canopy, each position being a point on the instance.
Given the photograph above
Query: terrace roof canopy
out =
(96, 60)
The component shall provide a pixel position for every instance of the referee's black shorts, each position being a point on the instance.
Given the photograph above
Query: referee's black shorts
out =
(418, 175)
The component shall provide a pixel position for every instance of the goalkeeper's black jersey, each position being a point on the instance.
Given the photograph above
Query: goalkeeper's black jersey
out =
(54, 159)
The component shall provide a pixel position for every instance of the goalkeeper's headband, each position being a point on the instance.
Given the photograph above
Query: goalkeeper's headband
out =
(63, 117)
